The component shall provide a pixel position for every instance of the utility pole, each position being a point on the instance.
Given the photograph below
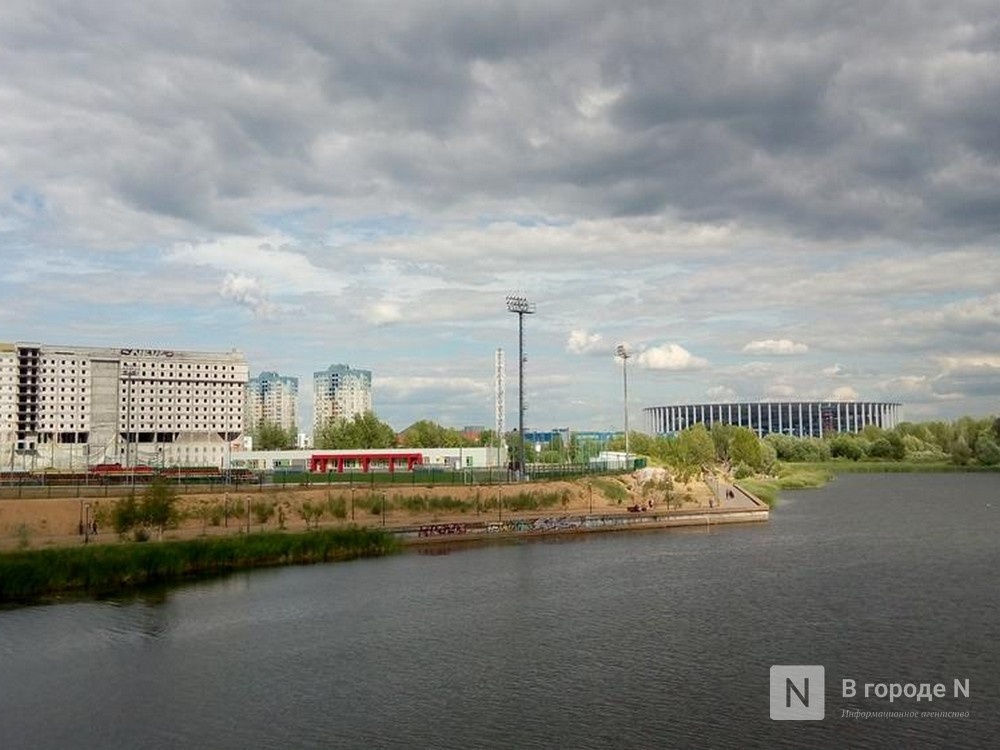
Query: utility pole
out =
(521, 307)
(622, 352)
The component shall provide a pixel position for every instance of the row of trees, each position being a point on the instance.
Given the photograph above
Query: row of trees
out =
(964, 442)
(368, 431)
(268, 436)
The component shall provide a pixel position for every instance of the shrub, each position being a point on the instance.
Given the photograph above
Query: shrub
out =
(338, 508)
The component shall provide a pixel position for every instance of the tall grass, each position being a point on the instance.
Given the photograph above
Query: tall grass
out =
(104, 569)
(420, 503)
(763, 489)
(790, 477)
(611, 489)
(903, 467)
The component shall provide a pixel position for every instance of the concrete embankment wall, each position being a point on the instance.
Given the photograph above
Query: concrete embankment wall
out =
(574, 524)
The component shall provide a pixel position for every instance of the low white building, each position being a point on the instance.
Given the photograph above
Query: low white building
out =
(365, 459)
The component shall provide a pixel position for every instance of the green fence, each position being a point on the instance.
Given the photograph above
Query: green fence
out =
(35, 486)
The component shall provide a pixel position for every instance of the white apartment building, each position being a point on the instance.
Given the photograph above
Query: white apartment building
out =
(274, 399)
(71, 408)
(340, 393)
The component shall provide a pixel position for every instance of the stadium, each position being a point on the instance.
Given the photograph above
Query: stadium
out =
(799, 418)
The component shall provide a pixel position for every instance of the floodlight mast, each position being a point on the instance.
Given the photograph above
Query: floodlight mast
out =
(622, 352)
(520, 306)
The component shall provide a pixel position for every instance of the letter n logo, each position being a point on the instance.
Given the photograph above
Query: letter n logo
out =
(797, 693)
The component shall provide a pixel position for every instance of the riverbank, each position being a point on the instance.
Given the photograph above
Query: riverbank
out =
(811, 475)
(101, 562)
(104, 569)
(42, 522)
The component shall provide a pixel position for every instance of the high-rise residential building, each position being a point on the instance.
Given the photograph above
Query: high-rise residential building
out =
(274, 399)
(71, 408)
(340, 393)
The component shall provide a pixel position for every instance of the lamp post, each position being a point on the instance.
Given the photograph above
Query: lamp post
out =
(129, 372)
(622, 352)
(520, 307)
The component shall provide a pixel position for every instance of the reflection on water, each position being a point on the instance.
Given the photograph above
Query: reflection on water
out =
(643, 639)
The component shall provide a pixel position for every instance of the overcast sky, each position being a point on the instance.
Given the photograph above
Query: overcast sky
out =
(763, 200)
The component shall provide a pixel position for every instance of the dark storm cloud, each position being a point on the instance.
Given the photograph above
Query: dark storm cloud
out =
(808, 119)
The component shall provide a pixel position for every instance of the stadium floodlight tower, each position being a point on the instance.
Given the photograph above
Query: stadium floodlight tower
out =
(623, 352)
(520, 307)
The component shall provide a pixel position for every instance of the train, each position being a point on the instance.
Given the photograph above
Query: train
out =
(118, 474)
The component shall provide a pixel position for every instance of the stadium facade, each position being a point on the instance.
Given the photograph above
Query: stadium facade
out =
(73, 408)
(799, 418)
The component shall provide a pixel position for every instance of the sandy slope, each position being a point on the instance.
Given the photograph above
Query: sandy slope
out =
(44, 522)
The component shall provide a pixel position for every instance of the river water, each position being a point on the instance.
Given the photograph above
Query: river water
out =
(632, 640)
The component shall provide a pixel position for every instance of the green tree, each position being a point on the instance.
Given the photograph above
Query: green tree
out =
(157, 506)
(641, 444)
(747, 449)
(880, 448)
(270, 436)
(987, 449)
(428, 434)
(846, 446)
(722, 438)
(961, 453)
(898, 452)
(363, 431)
(125, 515)
(695, 448)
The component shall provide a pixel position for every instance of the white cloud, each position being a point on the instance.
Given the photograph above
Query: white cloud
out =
(670, 357)
(843, 393)
(384, 313)
(247, 292)
(781, 347)
(581, 342)
(780, 391)
(969, 376)
(401, 386)
(721, 393)
(836, 370)
(274, 258)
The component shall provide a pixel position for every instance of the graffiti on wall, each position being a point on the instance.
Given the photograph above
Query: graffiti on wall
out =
(442, 529)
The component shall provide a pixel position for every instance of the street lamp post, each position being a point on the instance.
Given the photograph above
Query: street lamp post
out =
(129, 372)
(521, 307)
(622, 352)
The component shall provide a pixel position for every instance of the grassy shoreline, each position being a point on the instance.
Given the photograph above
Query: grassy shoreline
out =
(810, 475)
(105, 569)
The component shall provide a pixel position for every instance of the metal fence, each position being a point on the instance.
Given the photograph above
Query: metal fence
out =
(37, 486)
